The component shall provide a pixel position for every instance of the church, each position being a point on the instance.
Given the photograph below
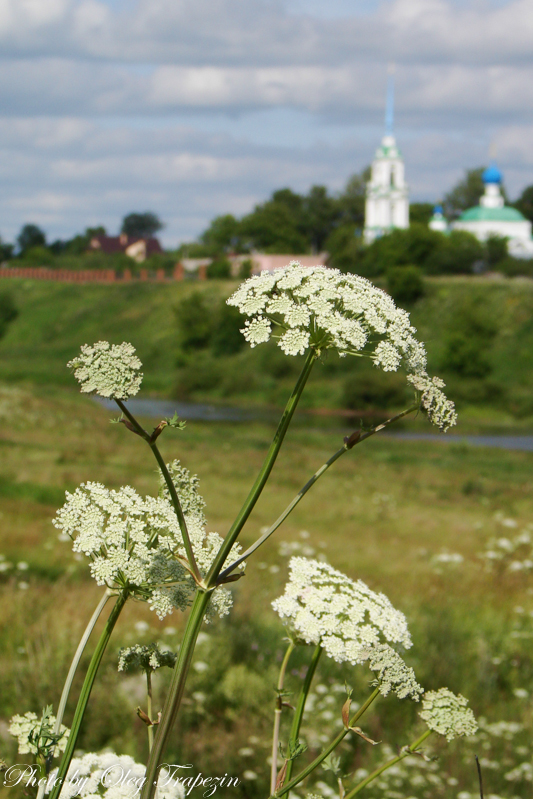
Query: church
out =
(387, 199)
(387, 194)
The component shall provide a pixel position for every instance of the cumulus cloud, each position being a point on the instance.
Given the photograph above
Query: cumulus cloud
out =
(200, 107)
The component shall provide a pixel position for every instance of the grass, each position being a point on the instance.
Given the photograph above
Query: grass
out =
(491, 382)
(382, 514)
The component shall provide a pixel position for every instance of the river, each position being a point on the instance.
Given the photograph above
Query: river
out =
(158, 409)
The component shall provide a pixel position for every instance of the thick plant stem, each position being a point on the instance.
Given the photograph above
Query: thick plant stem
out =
(170, 485)
(86, 691)
(76, 659)
(277, 717)
(262, 477)
(300, 705)
(175, 692)
(290, 784)
(407, 750)
(310, 483)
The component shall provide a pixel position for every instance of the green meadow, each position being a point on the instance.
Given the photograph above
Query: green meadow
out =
(411, 519)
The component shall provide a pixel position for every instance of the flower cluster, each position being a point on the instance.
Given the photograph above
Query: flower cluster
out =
(322, 605)
(145, 658)
(109, 370)
(440, 410)
(36, 735)
(393, 674)
(321, 308)
(113, 777)
(134, 542)
(515, 553)
(448, 714)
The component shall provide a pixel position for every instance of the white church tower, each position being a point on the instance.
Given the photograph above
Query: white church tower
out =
(387, 195)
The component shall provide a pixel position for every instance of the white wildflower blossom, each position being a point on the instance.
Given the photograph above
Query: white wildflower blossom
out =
(36, 734)
(448, 714)
(322, 605)
(112, 776)
(440, 410)
(393, 673)
(321, 308)
(109, 370)
(134, 542)
(145, 658)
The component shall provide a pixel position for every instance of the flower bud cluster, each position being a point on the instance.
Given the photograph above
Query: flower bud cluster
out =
(393, 673)
(448, 714)
(145, 658)
(322, 605)
(108, 370)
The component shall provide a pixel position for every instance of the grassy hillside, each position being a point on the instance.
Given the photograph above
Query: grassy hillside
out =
(479, 335)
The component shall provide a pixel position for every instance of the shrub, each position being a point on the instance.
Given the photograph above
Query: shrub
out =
(405, 284)
(8, 311)
(373, 389)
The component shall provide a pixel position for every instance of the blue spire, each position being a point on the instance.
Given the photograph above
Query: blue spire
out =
(389, 111)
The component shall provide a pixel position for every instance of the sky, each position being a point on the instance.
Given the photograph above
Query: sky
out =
(196, 108)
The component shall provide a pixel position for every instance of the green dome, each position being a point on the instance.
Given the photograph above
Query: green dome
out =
(481, 214)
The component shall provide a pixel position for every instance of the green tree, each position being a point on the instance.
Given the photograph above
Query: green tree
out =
(351, 200)
(320, 216)
(30, 236)
(415, 245)
(143, 225)
(465, 194)
(223, 234)
(525, 203)
(420, 213)
(496, 250)
(272, 227)
(405, 284)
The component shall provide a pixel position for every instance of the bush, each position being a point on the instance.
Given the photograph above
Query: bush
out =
(194, 322)
(38, 256)
(220, 268)
(8, 311)
(456, 255)
(515, 267)
(468, 343)
(405, 284)
(370, 390)
(226, 337)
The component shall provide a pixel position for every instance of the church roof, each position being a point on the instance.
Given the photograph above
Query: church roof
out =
(481, 214)
(492, 175)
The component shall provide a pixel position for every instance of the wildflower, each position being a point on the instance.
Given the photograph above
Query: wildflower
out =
(36, 735)
(448, 714)
(113, 776)
(146, 658)
(322, 605)
(109, 370)
(393, 674)
(320, 308)
(135, 542)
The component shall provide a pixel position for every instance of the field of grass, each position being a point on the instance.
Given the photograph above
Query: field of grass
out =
(386, 512)
(479, 336)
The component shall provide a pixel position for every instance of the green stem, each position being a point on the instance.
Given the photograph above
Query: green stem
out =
(86, 691)
(330, 748)
(300, 705)
(303, 491)
(179, 512)
(149, 709)
(76, 659)
(264, 473)
(407, 750)
(175, 692)
(171, 488)
(277, 716)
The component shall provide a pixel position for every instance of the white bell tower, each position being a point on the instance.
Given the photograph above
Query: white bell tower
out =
(387, 195)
